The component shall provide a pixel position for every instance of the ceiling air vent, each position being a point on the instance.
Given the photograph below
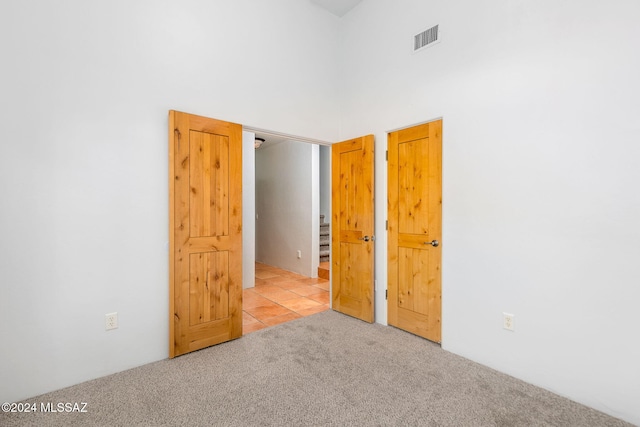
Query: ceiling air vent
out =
(426, 38)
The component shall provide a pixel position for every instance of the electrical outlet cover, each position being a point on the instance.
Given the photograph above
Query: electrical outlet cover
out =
(508, 321)
(111, 321)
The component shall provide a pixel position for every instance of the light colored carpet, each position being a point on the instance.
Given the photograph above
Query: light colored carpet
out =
(326, 369)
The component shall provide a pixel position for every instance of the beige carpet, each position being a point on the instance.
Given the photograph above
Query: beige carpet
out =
(326, 369)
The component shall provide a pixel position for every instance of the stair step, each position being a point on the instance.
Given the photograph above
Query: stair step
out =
(325, 242)
(323, 270)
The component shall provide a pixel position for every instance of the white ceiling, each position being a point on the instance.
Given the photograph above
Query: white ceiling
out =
(337, 7)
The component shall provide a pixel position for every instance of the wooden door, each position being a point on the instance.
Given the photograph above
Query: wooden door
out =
(205, 236)
(415, 230)
(352, 240)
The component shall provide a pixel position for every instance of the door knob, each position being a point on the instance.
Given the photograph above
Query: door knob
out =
(365, 238)
(433, 243)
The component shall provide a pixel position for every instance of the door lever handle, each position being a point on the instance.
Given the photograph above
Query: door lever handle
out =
(433, 243)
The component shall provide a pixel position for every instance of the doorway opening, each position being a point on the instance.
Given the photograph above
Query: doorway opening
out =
(287, 185)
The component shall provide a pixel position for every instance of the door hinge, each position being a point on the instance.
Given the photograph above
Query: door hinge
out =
(386, 225)
(386, 156)
(386, 294)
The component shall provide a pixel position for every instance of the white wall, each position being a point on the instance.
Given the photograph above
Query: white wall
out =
(540, 175)
(287, 207)
(86, 88)
(325, 182)
(540, 107)
(248, 210)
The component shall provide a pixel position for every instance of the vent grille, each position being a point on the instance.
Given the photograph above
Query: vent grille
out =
(425, 38)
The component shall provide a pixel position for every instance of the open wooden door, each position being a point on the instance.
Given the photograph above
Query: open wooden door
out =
(415, 230)
(352, 241)
(205, 236)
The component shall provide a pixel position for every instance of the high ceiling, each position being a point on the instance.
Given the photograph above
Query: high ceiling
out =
(337, 7)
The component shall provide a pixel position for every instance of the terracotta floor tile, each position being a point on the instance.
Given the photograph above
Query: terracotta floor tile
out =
(312, 281)
(263, 305)
(308, 290)
(280, 296)
(251, 300)
(264, 274)
(248, 319)
(249, 292)
(277, 279)
(246, 329)
(323, 285)
(261, 266)
(281, 319)
(294, 276)
(313, 310)
(301, 303)
(261, 282)
(270, 273)
(322, 298)
(267, 289)
(288, 285)
(261, 313)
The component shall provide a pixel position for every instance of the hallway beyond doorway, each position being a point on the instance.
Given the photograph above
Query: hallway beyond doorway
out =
(280, 296)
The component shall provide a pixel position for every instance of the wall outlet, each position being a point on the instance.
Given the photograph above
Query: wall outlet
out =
(508, 321)
(111, 321)
(299, 254)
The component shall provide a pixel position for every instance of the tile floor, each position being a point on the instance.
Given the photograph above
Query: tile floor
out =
(280, 296)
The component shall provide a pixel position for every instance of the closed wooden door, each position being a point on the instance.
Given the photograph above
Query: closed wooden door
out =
(205, 236)
(352, 241)
(415, 230)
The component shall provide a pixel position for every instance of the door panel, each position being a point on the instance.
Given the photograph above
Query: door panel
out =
(415, 220)
(209, 176)
(352, 244)
(205, 219)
